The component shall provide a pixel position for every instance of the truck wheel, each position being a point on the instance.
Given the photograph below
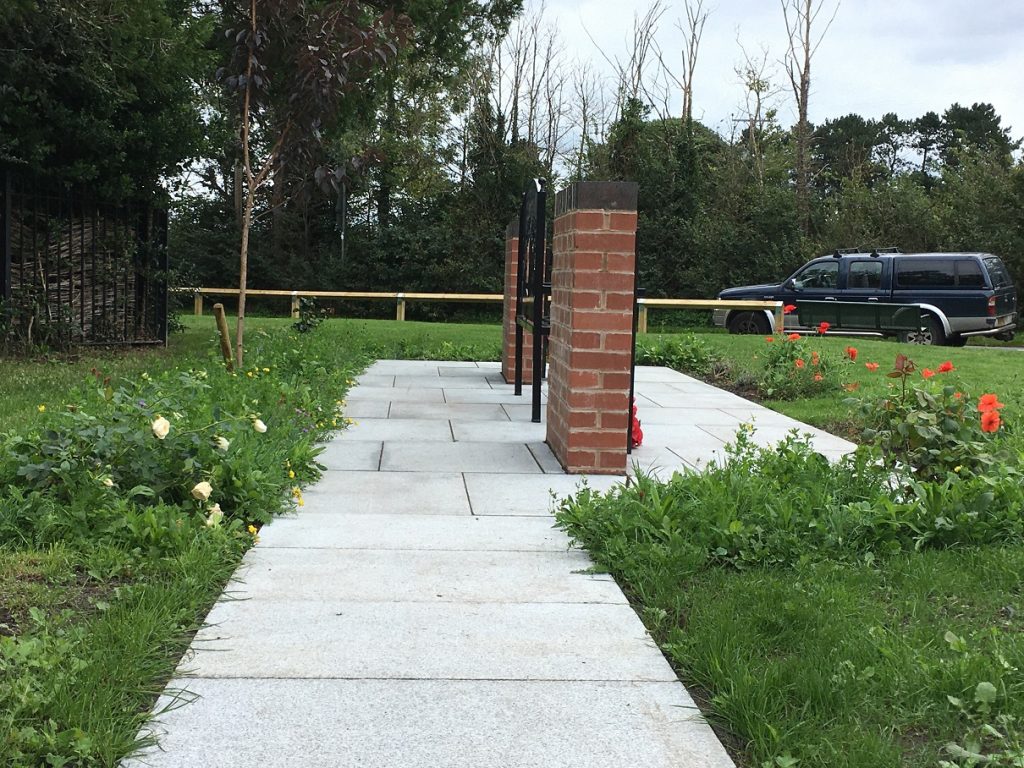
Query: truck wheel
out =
(930, 333)
(749, 322)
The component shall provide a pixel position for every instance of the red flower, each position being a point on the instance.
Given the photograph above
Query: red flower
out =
(794, 337)
(851, 352)
(818, 377)
(946, 367)
(927, 372)
(958, 395)
(989, 403)
(635, 433)
(799, 362)
(990, 421)
(769, 339)
(788, 308)
(823, 326)
(815, 358)
(871, 366)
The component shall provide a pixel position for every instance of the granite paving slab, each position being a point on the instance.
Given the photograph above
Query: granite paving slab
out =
(351, 454)
(449, 411)
(492, 494)
(355, 408)
(426, 532)
(368, 493)
(431, 576)
(498, 432)
(413, 456)
(432, 724)
(397, 395)
(395, 429)
(455, 641)
(476, 381)
(505, 395)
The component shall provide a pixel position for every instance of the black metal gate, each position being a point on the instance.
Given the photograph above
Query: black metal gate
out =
(77, 269)
(533, 288)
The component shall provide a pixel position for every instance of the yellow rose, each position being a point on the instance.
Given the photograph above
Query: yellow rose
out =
(202, 491)
(161, 427)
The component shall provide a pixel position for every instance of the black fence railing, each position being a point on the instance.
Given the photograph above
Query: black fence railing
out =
(76, 270)
(533, 289)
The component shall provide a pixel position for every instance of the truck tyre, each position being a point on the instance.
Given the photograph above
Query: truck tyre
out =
(749, 322)
(930, 333)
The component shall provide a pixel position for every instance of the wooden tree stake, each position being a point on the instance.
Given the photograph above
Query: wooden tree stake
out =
(225, 339)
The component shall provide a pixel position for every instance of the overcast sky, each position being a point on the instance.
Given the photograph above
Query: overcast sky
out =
(902, 56)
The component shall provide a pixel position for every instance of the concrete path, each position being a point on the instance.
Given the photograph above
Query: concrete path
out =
(421, 612)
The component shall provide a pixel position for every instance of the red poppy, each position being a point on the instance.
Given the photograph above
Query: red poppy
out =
(799, 362)
(769, 339)
(990, 421)
(818, 377)
(794, 337)
(851, 352)
(871, 366)
(815, 358)
(946, 367)
(823, 326)
(927, 372)
(788, 308)
(958, 395)
(636, 434)
(989, 403)
(853, 386)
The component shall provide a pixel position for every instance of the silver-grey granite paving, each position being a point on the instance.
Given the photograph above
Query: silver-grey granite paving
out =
(453, 533)
(331, 723)
(419, 611)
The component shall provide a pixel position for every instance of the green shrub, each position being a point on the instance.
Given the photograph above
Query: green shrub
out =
(682, 352)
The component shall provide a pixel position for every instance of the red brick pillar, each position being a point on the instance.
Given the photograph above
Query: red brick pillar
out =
(592, 288)
(508, 323)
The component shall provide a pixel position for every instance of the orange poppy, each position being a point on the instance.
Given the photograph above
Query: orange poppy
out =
(989, 403)
(990, 421)
(794, 337)
(946, 367)
(788, 308)
(851, 352)
(799, 362)
(871, 366)
(823, 326)
(769, 339)
(818, 377)
(927, 372)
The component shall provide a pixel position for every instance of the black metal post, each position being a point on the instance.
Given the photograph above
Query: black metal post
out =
(5, 238)
(520, 291)
(537, 274)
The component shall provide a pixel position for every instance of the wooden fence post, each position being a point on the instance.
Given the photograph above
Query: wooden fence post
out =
(295, 305)
(197, 304)
(400, 308)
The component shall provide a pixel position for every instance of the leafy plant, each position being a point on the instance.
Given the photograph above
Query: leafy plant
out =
(682, 352)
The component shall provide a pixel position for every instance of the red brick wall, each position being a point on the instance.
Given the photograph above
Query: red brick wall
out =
(508, 323)
(593, 280)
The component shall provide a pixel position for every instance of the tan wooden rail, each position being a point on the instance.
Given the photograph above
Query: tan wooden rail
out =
(400, 299)
(641, 324)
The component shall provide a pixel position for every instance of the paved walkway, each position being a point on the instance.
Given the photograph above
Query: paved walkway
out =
(421, 612)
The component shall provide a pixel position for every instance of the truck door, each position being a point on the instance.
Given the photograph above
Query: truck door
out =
(865, 280)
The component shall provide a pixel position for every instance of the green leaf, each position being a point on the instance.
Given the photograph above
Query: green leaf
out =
(985, 693)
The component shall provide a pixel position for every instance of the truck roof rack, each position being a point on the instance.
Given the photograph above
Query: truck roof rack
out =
(845, 251)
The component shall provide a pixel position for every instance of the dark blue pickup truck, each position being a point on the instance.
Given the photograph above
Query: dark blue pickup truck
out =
(925, 298)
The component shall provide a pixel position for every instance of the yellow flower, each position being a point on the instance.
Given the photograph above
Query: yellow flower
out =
(259, 426)
(160, 427)
(291, 474)
(266, 370)
(252, 530)
(249, 374)
(41, 408)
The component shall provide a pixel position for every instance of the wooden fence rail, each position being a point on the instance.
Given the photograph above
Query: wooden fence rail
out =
(400, 300)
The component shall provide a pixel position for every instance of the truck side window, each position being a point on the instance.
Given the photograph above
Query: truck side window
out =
(865, 274)
(968, 274)
(824, 274)
(925, 273)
